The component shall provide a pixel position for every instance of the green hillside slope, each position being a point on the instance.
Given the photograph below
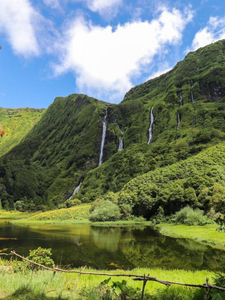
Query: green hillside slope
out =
(198, 181)
(200, 80)
(55, 155)
(16, 123)
(63, 148)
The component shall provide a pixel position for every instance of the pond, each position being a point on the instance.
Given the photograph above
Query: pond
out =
(110, 247)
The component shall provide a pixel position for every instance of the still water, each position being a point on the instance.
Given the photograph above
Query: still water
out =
(110, 247)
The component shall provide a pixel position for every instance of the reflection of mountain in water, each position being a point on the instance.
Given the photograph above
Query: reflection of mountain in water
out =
(169, 253)
(112, 247)
(192, 245)
(106, 238)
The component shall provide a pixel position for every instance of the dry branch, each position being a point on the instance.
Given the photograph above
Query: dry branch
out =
(135, 277)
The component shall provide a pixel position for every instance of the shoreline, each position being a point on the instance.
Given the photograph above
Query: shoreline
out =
(206, 234)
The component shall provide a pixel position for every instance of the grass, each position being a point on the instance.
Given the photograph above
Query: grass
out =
(45, 285)
(204, 234)
(121, 223)
(75, 214)
(13, 214)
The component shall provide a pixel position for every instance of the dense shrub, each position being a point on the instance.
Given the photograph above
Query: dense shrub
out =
(72, 202)
(105, 210)
(41, 256)
(188, 216)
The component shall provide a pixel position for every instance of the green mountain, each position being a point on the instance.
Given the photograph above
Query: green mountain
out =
(167, 126)
(16, 123)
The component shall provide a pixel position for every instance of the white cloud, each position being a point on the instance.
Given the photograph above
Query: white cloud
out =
(105, 59)
(215, 30)
(108, 9)
(17, 19)
(55, 4)
(102, 5)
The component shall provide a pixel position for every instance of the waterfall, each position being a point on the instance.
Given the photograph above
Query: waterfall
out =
(192, 96)
(194, 120)
(178, 120)
(76, 190)
(120, 148)
(179, 94)
(104, 126)
(150, 127)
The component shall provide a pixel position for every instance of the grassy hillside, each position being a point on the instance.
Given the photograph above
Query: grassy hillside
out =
(199, 79)
(55, 155)
(16, 123)
(197, 182)
(62, 150)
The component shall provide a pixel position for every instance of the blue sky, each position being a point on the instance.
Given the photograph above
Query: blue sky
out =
(101, 48)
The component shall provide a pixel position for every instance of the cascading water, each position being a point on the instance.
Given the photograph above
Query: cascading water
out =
(179, 94)
(76, 190)
(192, 96)
(104, 127)
(150, 127)
(120, 148)
(178, 120)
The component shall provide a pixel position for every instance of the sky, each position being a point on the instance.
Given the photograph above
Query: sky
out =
(101, 48)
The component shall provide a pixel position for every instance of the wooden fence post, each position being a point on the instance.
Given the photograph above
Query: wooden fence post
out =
(143, 288)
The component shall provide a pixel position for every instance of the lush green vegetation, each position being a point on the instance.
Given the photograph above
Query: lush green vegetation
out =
(189, 216)
(208, 234)
(44, 285)
(16, 123)
(180, 167)
(14, 214)
(197, 182)
(75, 214)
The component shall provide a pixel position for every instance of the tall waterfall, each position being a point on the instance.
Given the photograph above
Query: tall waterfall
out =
(120, 148)
(104, 126)
(179, 94)
(150, 127)
(76, 190)
(192, 96)
(178, 120)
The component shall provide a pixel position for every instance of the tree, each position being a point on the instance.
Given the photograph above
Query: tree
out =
(105, 210)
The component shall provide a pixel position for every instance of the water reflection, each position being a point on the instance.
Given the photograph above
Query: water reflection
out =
(111, 248)
(106, 238)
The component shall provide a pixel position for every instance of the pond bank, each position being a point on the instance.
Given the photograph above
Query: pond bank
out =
(207, 234)
(79, 215)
